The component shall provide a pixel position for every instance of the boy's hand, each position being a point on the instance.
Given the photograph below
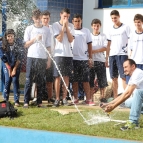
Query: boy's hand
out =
(13, 72)
(90, 63)
(106, 63)
(65, 22)
(48, 64)
(38, 37)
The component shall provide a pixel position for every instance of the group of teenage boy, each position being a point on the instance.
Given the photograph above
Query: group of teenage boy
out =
(79, 56)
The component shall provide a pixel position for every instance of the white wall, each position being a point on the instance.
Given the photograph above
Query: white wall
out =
(91, 11)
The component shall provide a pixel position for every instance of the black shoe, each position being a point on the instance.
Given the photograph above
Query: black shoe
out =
(56, 103)
(51, 100)
(104, 100)
(65, 102)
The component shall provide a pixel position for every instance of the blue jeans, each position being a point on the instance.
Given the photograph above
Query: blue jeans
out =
(35, 71)
(135, 103)
(7, 83)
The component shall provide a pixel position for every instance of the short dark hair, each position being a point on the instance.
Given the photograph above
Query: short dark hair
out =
(138, 17)
(45, 12)
(131, 62)
(36, 13)
(65, 10)
(115, 12)
(77, 16)
(96, 21)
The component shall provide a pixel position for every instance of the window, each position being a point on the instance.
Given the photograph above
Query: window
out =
(120, 3)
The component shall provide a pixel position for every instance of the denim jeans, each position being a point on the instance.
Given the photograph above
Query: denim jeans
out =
(35, 72)
(7, 83)
(135, 103)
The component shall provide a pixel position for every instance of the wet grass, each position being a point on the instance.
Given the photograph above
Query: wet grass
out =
(46, 119)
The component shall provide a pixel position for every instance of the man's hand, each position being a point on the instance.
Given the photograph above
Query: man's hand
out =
(109, 108)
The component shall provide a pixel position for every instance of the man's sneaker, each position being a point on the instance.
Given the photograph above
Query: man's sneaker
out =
(65, 102)
(129, 125)
(56, 103)
(51, 100)
(104, 100)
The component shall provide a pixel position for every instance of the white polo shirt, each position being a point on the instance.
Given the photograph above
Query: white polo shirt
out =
(119, 39)
(64, 48)
(36, 50)
(98, 42)
(136, 46)
(137, 78)
(80, 44)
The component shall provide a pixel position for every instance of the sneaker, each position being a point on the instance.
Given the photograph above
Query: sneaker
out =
(56, 103)
(34, 100)
(89, 103)
(65, 102)
(16, 104)
(75, 101)
(51, 100)
(104, 100)
(129, 125)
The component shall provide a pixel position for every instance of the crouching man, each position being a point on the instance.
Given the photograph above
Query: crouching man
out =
(135, 84)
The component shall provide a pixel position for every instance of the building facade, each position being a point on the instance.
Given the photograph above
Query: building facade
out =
(55, 6)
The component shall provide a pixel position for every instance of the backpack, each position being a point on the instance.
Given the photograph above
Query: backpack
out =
(7, 110)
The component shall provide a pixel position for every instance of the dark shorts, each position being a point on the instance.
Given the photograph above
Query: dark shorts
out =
(140, 66)
(49, 73)
(99, 69)
(65, 66)
(116, 66)
(81, 71)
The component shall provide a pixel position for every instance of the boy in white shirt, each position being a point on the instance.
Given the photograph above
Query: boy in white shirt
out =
(117, 50)
(82, 58)
(99, 44)
(64, 35)
(36, 57)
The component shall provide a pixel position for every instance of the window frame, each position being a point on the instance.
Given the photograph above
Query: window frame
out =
(129, 5)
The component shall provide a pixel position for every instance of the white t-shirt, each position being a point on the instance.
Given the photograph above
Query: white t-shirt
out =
(80, 44)
(136, 46)
(119, 40)
(137, 78)
(98, 42)
(36, 50)
(64, 48)
(52, 40)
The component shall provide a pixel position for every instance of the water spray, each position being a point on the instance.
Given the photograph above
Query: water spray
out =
(95, 119)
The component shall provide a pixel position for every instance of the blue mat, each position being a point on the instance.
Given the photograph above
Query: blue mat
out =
(18, 135)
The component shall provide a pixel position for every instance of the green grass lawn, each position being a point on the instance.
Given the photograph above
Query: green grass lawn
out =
(45, 119)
